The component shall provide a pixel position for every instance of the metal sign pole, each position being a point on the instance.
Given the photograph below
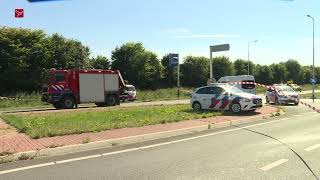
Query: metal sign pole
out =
(217, 48)
(211, 74)
(178, 80)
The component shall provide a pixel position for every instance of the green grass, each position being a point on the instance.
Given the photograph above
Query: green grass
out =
(22, 100)
(33, 100)
(162, 94)
(307, 87)
(62, 123)
(308, 96)
(260, 90)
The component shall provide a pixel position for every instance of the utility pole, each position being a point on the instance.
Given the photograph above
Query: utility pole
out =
(313, 75)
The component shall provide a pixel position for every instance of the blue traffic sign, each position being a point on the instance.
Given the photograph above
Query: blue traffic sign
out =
(313, 80)
(173, 60)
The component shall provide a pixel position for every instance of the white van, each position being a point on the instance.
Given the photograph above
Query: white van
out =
(240, 82)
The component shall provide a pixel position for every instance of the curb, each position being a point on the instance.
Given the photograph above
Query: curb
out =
(129, 140)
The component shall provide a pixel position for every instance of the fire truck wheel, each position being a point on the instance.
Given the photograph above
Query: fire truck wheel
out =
(100, 104)
(68, 102)
(111, 101)
(57, 105)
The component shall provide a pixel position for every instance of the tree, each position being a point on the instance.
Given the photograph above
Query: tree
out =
(137, 65)
(279, 73)
(194, 71)
(263, 74)
(145, 70)
(241, 67)
(222, 66)
(169, 73)
(122, 57)
(100, 62)
(294, 71)
(26, 54)
(66, 53)
(307, 73)
(22, 55)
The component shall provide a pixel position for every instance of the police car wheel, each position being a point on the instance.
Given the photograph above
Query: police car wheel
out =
(235, 107)
(277, 102)
(196, 106)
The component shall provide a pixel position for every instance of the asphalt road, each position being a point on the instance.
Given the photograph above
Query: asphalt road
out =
(252, 151)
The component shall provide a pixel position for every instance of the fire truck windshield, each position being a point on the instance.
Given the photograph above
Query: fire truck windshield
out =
(55, 77)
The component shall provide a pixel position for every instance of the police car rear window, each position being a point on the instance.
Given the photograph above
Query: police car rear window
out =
(210, 90)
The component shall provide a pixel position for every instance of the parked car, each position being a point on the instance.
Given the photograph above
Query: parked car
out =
(129, 93)
(295, 87)
(282, 94)
(220, 96)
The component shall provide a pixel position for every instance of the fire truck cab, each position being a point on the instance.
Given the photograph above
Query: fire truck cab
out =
(66, 88)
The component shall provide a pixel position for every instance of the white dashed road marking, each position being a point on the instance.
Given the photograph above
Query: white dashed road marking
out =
(298, 115)
(274, 164)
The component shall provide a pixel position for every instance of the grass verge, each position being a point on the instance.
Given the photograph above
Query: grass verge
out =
(63, 123)
(21, 100)
(308, 96)
(33, 100)
(163, 94)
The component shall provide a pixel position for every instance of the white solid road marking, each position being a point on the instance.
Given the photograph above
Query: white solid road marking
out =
(78, 159)
(27, 167)
(312, 147)
(134, 149)
(274, 164)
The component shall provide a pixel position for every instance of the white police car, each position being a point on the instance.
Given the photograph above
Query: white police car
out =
(282, 94)
(219, 96)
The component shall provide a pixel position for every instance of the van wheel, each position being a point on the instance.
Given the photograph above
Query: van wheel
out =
(111, 101)
(68, 102)
(235, 107)
(196, 106)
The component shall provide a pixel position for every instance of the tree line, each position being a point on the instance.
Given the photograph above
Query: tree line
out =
(26, 55)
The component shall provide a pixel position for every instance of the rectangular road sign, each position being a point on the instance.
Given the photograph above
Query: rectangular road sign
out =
(221, 47)
(173, 60)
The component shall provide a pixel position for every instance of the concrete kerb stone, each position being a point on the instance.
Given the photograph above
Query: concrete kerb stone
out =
(126, 140)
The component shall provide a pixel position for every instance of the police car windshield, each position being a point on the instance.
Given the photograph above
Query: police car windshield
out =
(234, 89)
(285, 89)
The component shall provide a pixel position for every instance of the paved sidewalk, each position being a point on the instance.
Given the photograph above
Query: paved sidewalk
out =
(12, 141)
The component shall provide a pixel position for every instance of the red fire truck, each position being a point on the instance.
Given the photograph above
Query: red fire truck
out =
(67, 88)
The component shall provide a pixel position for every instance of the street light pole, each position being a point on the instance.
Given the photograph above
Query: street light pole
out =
(211, 73)
(313, 76)
(249, 54)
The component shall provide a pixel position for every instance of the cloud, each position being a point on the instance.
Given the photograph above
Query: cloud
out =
(197, 36)
(184, 33)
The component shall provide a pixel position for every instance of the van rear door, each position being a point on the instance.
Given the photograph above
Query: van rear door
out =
(248, 86)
